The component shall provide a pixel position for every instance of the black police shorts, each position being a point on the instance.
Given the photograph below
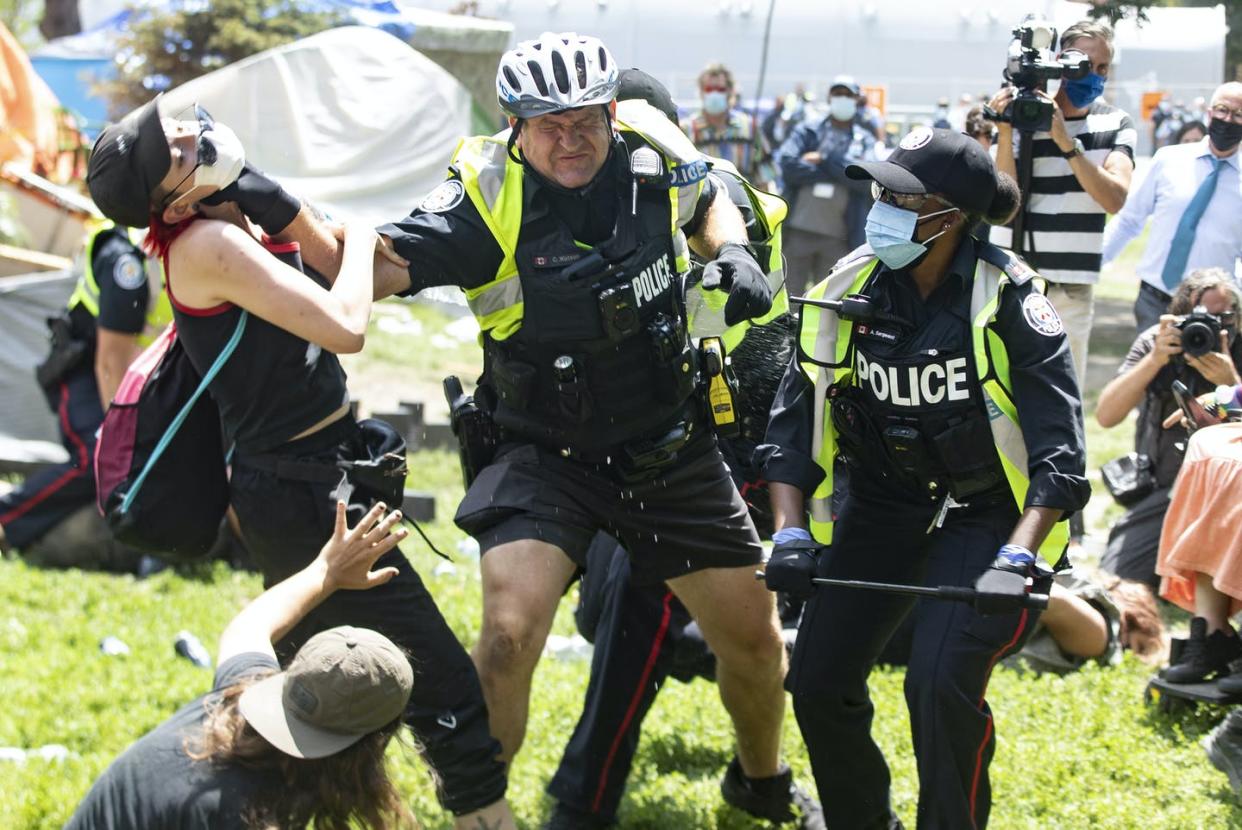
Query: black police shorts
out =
(688, 518)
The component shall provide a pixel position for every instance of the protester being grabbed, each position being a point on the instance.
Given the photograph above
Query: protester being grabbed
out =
(271, 748)
(1144, 381)
(283, 400)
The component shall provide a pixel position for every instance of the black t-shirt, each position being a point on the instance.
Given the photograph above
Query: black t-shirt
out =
(154, 785)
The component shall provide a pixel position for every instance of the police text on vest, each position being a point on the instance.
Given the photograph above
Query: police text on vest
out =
(652, 282)
(929, 383)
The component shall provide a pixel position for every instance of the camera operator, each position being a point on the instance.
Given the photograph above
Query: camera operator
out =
(1158, 357)
(1081, 171)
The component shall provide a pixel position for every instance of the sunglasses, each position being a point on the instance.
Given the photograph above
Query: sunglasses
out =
(907, 201)
(206, 151)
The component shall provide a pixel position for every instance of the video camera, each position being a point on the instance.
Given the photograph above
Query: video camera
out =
(1028, 67)
(1200, 331)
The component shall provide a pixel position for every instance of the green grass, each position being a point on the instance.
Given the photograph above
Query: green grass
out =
(1082, 751)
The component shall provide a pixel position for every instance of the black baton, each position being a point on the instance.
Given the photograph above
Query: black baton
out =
(950, 592)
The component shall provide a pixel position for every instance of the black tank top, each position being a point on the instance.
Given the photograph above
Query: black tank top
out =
(275, 385)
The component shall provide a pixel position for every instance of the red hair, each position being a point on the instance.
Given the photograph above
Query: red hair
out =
(160, 234)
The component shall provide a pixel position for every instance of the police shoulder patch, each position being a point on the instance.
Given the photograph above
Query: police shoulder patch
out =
(446, 196)
(127, 273)
(1041, 316)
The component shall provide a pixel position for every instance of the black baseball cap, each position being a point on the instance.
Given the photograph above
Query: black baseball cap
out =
(129, 160)
(637, 84)
(936, 161)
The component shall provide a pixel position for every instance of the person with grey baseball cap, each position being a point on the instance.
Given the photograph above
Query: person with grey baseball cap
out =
(932, 365)
(264, 744)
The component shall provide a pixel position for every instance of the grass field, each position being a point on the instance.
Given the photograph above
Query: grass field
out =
(1081, 751)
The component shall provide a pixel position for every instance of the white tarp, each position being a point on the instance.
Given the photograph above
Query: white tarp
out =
(25, 303)
(351, 119)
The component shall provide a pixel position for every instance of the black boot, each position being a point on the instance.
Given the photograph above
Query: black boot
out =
(772, 798)
(1204, 655)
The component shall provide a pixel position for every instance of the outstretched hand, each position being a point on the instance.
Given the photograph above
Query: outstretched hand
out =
(348, 556)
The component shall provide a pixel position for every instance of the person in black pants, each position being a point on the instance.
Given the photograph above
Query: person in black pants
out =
(918, 387)
(284, 405)
(643, 634)
(112, 313)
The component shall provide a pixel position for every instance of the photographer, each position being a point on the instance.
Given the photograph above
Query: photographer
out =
(1155, 360)
(1081, 171)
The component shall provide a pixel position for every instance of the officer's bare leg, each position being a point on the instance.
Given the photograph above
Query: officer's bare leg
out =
(739, 621)
(522, 584)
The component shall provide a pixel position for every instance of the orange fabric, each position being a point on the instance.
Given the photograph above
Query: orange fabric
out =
(1203, 528)
(28, 111)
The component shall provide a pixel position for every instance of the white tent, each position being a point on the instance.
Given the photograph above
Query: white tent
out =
(352, 119)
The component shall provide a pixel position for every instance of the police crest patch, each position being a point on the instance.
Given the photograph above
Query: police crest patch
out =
(446, 196)
(1041, 316)
(916, 138)
(127, 273)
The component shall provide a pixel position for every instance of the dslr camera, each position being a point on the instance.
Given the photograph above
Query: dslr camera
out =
(1200, 331)
(1028, 66)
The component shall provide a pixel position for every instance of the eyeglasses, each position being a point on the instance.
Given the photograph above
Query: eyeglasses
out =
(715, 88)
(1225, 114)
(908, 201)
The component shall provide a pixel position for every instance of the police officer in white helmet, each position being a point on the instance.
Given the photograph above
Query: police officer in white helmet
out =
(570, 236)
(948, 391)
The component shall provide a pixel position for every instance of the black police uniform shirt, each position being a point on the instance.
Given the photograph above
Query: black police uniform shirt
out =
(447, 242)
(1041, 373)
(124, 295)
(156, 786)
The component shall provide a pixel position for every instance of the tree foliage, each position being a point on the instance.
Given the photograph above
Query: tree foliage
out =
(189, 38)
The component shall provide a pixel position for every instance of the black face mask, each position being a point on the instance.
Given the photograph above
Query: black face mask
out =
(1224, 135)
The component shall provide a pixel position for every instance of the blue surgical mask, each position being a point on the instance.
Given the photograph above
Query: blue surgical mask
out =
(714, 103)
(890, 233)
(842, 107)
(1083, 91)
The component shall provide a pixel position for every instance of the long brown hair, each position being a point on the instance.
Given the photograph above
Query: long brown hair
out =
(352, 785)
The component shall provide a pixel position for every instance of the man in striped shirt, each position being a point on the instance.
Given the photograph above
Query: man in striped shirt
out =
(1080, 171)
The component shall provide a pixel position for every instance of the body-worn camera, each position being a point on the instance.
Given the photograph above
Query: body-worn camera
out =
(1200, 332)
(1028, 67)
(618, 310)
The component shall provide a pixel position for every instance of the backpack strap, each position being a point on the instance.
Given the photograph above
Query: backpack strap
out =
(171, 432)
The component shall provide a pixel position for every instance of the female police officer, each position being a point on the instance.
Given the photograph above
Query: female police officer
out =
(949, 394)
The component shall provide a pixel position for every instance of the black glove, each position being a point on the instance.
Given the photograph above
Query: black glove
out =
(734, 269)
(1002, 587)
(264, 201)
(792, 566)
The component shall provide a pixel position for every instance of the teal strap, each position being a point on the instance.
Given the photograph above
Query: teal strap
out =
(171, 432)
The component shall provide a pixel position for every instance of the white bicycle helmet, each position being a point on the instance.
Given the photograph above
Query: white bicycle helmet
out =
(554, 73)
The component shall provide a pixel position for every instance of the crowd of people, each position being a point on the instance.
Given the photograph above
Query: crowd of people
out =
(915, 418)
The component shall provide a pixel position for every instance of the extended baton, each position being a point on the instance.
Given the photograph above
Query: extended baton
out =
(949, 592)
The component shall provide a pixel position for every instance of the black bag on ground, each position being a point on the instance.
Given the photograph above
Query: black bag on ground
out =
(1130, 478)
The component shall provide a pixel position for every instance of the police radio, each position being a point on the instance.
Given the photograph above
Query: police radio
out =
(648, 170)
